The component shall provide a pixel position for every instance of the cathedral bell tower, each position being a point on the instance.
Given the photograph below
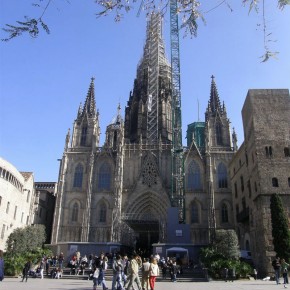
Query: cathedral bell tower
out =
(71, 217)
(86, 131)
(217, 122)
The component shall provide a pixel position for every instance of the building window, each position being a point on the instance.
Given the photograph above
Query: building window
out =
(289, 181)
(225, 216)
(15, 212)
(268, 151)
(78, 176)
(84, 136)
(286, 152)
(249, 188)
(242, 183)
(275, 182)
(194, 213)
(218, 131)
(256, 187)
(236, 190)
(193, 176)
(22, 215)
(28, 196)
(103, 213)
(222, 176)
(0, 200)
(3, 231)
(104, 180)
(7, 208)
(75, 212)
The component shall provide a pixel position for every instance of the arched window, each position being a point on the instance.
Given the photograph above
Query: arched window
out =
(75, 212)
(225, 215)
(84, 135)
(104, 180)
(222, 176)
(78, 176)
(102, 213)
(193, 176)
(194, 213)
(218, 131)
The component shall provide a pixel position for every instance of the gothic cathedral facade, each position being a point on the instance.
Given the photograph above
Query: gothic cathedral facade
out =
(120, 191)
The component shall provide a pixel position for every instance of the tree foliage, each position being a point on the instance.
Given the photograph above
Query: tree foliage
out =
(215, 261)
(24, 244)
(224, 253)
(280, 228)
(226, 243)
(27, 239)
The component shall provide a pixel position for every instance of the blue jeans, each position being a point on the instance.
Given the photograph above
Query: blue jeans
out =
(277, 275)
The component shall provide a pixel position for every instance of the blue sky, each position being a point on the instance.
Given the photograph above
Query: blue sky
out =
(43, 80)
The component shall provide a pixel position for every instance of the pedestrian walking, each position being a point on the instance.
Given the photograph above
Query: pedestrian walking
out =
(117, 273)
(145, 274)
(103, 266)
(135, 265)
(25, 271)
(277, 267)
(153, 272)
(41, 267)
(284, 269)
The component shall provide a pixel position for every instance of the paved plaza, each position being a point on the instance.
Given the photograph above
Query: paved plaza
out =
(58, 284)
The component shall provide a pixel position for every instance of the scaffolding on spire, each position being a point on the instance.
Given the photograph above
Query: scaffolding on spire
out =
(177, 194)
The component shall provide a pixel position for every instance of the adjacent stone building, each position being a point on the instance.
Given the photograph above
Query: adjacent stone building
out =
(260, 168)
(45, 196)
(16, 200)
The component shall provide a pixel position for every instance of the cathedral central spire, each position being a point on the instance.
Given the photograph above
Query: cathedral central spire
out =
(148, 113)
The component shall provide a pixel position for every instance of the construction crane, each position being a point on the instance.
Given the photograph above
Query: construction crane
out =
(177, 183)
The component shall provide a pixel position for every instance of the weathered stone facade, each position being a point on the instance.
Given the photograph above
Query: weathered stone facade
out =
(260, 168)
(121, 192)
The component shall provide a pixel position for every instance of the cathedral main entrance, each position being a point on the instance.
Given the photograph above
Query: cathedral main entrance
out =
(147, 232)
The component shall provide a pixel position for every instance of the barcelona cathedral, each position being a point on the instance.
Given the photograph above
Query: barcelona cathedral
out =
(118, 195)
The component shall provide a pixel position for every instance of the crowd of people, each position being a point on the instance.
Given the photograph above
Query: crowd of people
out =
(126, 272)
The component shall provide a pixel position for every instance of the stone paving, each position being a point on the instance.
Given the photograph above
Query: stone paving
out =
(59, 284)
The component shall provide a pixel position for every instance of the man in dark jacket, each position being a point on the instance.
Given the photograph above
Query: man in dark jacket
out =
(25, 271)
(277, 267)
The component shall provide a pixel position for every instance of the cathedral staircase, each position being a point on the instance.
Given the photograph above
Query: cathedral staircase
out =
(188, 275)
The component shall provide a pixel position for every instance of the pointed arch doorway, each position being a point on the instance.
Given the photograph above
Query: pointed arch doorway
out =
(146, 216)
(146, 229)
